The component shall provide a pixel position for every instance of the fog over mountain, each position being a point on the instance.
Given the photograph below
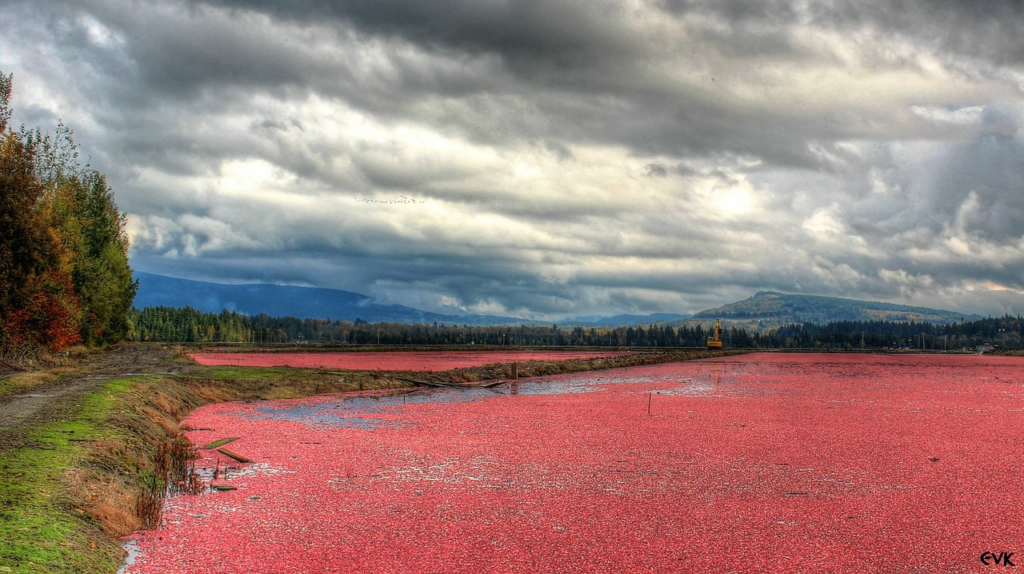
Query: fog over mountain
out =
(546, 159)
(286, 301)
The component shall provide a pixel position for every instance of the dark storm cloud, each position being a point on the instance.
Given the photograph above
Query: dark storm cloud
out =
(656, 170)
(991, 171)
(524, 31)
(967, 189)
(586, 68)
(582, 67)
(551, 156)
(988, 29)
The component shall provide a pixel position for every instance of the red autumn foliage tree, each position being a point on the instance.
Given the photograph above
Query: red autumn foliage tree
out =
(51, 316)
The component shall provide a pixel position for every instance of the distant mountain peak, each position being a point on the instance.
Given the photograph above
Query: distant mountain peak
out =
(771, 308)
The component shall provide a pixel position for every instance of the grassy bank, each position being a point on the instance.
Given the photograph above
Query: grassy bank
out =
(43, 519)
(81, 483)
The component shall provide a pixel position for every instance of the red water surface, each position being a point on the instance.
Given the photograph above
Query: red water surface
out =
(393, 361)
(757, 463)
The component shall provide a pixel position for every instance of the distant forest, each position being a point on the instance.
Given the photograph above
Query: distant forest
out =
(64, 273)
(188, 325)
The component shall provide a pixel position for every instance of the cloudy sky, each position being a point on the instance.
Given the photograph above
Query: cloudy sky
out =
(546, 158)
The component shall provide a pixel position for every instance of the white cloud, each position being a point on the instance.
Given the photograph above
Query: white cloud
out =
(825, 223)
(968, 115)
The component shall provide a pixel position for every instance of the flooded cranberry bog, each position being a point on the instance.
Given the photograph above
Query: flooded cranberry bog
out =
(753, 463)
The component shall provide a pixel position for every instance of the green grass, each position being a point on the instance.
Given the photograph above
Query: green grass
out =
(41, 528)
(250, 373)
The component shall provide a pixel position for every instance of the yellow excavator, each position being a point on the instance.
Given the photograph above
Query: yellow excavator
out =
(715, 343)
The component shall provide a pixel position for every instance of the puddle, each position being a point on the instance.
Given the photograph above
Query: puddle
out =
(132, 550)
(358, 412)
(693, 389)
(352, 412)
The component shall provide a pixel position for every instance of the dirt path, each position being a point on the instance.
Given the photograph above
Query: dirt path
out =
(56, 400)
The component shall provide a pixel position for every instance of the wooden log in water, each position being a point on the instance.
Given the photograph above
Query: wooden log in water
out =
(232, 454)
(432, 383)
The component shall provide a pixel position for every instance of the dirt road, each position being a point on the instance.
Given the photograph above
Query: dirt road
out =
(56, 400)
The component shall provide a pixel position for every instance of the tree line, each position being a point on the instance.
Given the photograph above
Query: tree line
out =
(187, 325)
(1002, 332)
(64, 272)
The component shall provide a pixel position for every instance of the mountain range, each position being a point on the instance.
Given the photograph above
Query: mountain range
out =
(765, 310)
(290, 301)
(769, 309)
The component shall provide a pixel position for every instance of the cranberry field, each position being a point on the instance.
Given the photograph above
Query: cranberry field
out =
(393, 361)
(753, 463)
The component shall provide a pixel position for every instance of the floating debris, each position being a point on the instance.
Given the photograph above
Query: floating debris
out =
(233, 454)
